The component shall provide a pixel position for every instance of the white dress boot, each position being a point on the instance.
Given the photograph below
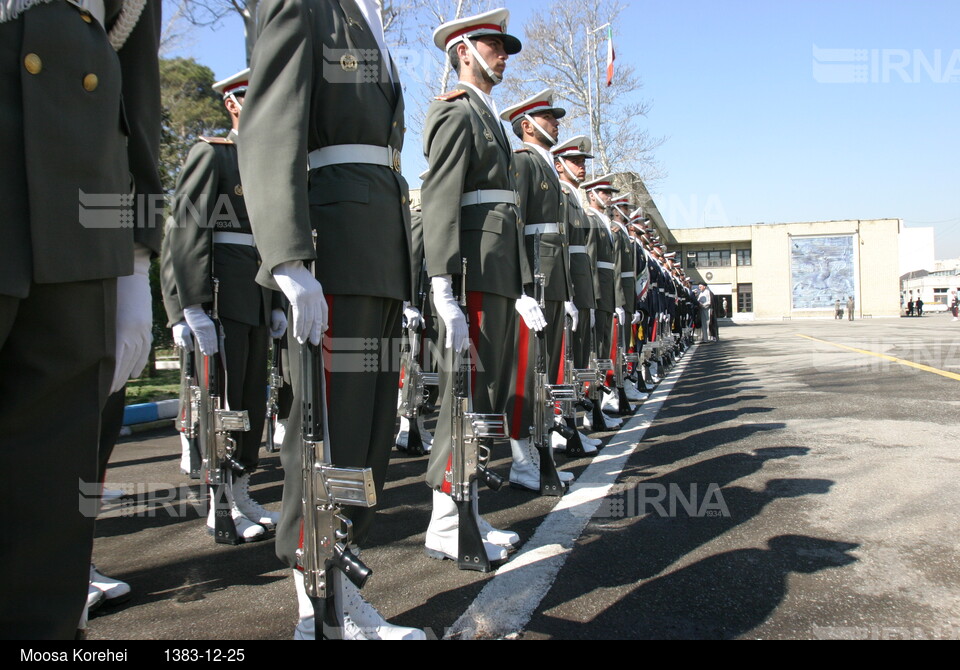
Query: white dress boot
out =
(114, 591)
(279, 431)
(249, 507)
(404, 435)
(184, 455)
(354, 607)
(502, 538)
(442, 534)
(307, 624)
(525, 471)
(633, 393)
(247, 530)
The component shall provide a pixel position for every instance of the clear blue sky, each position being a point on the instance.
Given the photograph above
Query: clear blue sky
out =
(761, 128)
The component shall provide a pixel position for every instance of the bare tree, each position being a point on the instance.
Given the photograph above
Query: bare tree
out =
(207, 13)
(175, 33)
(557, 53)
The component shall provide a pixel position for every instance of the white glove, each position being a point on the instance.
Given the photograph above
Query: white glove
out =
(308, 307)
(182, 336)
(278, 323)
(573, 313)
(134, 320)
(621, 315)
(203, 329)
(636, 318)
(532, 315)
(458, 335)
(593, 319)
(412, 316)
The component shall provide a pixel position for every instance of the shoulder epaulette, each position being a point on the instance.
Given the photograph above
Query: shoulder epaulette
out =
(521, 150)
(451, 95)
(215, 140)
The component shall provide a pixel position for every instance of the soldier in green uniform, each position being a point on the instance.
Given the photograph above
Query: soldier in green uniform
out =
(570, 159)
(213, 241)
(79, 117)
(620, 210)
(470, 211)
(605, 253)
(536, 121)
(326, 94)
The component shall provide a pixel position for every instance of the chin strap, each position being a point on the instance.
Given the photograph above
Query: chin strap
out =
(546, 136)
(483, 63)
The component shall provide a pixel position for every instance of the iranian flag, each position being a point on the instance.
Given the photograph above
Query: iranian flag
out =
(611, 56)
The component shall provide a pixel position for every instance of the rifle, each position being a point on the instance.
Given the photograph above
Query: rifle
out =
(470, 432)
(413, 395)
(546, 395)
(273, 393)
(600, 366)
(188, 420)
(578, 378)
(620, 369)
(327, 533)
(216, 423)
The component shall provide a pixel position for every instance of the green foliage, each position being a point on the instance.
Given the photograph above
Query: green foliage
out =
(163, 385)
(190, 108)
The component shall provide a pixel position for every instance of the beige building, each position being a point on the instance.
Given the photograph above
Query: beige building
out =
(796, 270)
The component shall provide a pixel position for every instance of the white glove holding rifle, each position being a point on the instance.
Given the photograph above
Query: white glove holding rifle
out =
(308, 307)
(182, 336)
(458, 335)
(531, 313)
(134, 320)
(203, 329)
(573, 313)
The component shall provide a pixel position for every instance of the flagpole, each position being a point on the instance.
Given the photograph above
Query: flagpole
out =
(592, 64)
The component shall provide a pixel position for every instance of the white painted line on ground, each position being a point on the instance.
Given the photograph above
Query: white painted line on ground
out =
(507, 602)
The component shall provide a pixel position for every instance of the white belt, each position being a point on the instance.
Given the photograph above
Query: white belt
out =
(543, 228)
(93, 7)
(338, 154)
(245, 239)
(577, 249)
(603, 265)
(627, 274)
(489, 197)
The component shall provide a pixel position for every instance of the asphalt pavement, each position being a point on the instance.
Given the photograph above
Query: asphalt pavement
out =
(795, 480)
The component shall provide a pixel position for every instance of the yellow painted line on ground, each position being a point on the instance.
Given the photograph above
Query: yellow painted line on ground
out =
(911, 364)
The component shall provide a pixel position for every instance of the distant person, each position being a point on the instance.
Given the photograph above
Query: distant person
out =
(837, 309)
(910, 307)
(705, 300)
(850, 305)
(954, 304)
(919, 306)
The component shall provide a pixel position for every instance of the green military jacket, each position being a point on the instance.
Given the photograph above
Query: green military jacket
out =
(467, 150)
(319, 79)
(583, 268)
(79, 130)
(628, 273)
(209, 200)
(605, 254)
(542, 202)
(168, 283)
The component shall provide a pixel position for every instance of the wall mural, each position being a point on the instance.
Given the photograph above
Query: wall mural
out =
(822, 271)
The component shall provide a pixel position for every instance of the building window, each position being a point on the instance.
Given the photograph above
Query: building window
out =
(709, 259)
(744, 297)
(940, 296)
(743, 257)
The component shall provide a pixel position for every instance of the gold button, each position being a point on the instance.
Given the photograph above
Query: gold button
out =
(33, 63)
(90, 82)
(394, 124)
(86, 18)
(403, 200)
